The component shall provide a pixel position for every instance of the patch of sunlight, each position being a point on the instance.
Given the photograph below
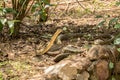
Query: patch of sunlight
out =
(102, 5)
(20, 65)
(15, 78)
(1, 76)
(11, 72)
(3, 63)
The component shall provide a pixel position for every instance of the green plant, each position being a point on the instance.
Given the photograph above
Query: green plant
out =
(114, 22)
(43, 7)
(22, 8)
(19, 11)
(117, 3)
(4, 20)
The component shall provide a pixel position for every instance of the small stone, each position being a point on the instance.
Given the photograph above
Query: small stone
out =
(98, 52)
(102, 70)
(11, 56)
(68, 68)
(83, 76)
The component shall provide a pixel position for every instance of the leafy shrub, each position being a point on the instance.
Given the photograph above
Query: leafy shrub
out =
(4, 20)
(19, 10)
(22, 8)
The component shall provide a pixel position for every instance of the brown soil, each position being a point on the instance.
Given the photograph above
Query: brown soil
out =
(18, 60)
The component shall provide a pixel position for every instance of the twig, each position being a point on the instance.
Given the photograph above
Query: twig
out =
(80, 4)
(65, 9)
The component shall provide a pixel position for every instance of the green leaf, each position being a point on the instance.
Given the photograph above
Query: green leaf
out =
(111, 65)
(3, 21)
(118, 3)
(117, 41)
(1, 26)
(9, 10)
(2, 11)
(118, 49)
(117, 25)
(101, 23)
(43, 15)
(36, 5)
(114, 20)
(11, 26)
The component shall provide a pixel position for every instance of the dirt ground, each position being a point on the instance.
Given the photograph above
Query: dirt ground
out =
(18, 60)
